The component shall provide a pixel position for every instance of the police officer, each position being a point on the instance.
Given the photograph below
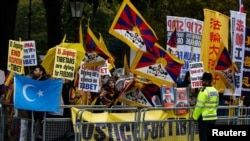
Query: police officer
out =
(206, 106)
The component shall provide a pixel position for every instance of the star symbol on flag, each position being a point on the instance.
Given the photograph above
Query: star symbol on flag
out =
(40, 93)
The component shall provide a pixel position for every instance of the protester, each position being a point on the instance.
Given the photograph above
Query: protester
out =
(103, 98)
(39, 74)
(113, 93)
(206, 107)
(224, 100)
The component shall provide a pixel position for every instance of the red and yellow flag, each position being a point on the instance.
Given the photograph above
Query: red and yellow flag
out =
(130, 27)
(159, 66)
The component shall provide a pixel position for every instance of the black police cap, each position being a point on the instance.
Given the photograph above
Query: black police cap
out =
(207, 76)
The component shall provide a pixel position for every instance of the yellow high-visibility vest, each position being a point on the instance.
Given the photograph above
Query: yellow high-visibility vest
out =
(207, 104)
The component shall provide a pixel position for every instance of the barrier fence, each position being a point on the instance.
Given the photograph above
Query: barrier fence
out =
(98, 123)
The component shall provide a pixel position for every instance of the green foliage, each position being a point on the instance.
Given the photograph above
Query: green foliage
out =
(153, 11)
(37, 27)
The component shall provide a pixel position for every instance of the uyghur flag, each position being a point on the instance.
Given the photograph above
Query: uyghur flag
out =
(130, 27)
(30, 94)
(93, 45)
(158, 66)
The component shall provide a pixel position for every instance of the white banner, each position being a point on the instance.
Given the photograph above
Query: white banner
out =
(196, 72)
(238, 26)
(89, 78)
(189, 33)
(29, 53)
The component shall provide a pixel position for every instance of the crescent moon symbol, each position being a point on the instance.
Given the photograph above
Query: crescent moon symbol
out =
(25, 94)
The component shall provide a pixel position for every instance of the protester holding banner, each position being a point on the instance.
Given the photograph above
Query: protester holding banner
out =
(206, 106)
(39, 74)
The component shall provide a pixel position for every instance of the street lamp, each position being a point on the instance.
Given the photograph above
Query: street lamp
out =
(76, 8)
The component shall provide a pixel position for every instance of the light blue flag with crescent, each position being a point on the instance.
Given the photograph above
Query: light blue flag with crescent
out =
(30, 94)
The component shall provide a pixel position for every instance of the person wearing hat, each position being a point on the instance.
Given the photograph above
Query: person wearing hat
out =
(168, 101)
(205, 111)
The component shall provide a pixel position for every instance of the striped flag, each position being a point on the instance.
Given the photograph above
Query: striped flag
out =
(159, 66)
(93, 45)
(172, 43)
(130, 27)
(224, 60)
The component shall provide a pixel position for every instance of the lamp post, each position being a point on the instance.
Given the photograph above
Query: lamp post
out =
(76, 7)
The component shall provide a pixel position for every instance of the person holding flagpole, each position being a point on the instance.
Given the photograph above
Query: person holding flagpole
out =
(39, 74)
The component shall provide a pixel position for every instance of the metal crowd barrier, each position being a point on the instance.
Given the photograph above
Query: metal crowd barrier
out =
(143, 127)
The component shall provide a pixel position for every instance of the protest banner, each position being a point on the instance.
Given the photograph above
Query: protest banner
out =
(15, 57)
(29, 53)
(65, 62)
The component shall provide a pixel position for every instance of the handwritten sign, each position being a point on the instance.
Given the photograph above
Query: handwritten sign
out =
(15, 59)
(29, 53)
(89, 78)
(65, 62)
(196, 72)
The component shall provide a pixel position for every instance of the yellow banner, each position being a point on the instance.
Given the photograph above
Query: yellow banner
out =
(15, 57)
(215, 31)
(156, 125)
(65, 62)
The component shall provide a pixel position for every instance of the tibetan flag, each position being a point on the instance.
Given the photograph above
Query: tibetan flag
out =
(132, 95)
(241, 7)
(131, 28)
(150, 90)
(30, 94)
(158, 66)
(93, 45)
(172, 43)
(224, 60)
(173, 39)
(225, 69)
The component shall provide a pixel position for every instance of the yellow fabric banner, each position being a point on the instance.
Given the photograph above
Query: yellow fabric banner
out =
(155, 125)
(215, 31)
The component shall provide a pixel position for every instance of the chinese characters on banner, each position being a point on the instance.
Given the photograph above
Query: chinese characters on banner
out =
(246, 66)
(29, 53)
(215, 31)
(238, 22)
(65, 62)
(15, 59)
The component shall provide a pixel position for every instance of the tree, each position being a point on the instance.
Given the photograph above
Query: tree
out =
(7, 29)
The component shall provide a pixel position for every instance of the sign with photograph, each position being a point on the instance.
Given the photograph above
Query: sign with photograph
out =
(167, 93)
(181, 100)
